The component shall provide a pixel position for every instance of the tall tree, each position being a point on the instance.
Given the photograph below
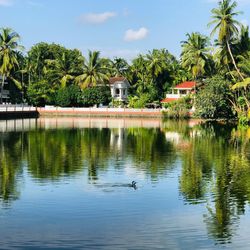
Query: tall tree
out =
(93, 71)
(64, 69)
(119, 67)
(8, 53)
(226, 26)
(195, 55)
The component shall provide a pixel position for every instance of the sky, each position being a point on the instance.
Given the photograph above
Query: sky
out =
(117, 28)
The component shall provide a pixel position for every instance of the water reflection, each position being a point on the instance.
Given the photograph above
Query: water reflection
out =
(211, 161)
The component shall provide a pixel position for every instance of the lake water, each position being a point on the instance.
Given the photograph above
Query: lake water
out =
(64, 184)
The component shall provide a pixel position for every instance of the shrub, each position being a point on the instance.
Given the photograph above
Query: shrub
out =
(39, 93)
(139, 102)
(178, 109)
(68, 96)
(212, 101)
(96, 96)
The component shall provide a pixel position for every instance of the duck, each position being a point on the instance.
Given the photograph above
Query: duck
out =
(133, 184)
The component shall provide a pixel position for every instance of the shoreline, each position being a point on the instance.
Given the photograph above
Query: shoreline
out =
(100, 112)
(57, 112)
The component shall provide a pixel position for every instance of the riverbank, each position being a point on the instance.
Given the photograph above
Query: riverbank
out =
(17, 111)
(100, 112)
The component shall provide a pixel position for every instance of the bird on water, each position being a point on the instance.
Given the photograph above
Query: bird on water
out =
(133, 184)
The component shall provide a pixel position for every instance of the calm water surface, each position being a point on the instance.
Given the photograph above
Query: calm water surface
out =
(64, 183)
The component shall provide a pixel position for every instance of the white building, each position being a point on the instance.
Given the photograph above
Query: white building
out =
(4, 94)
(119, 88)
(179, 91)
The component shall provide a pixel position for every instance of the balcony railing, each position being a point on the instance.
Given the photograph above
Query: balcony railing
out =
(16, 108)
(175, 95)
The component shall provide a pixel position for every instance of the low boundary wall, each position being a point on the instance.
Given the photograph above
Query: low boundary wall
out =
(104, 112)
(17, 111)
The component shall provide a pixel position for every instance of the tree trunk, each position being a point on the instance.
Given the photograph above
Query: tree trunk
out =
(234, 63)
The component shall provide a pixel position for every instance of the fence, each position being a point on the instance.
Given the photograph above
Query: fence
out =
(16, 108)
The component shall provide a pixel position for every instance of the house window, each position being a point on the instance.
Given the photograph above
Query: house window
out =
(183, 92)
(124, 92)
(117, 91)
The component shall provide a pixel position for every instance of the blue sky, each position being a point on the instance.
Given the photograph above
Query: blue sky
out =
(115, 27)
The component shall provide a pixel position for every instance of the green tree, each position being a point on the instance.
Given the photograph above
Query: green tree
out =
(64, 69)
(39, 93)
(38, 56)
(226, 26)
(68, 96)
(213, 99)
(8, 53)
(94, 72)
(96, 95)
(195, 56)
(119, 67)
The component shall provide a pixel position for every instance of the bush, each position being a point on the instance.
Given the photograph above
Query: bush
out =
(96, 96)
(39, 93)
(117, 103)
(139, 102)
(178, 109)
(68, 96)
(212, 101)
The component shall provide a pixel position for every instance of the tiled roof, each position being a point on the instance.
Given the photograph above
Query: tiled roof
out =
(186, 85)
(112, 80)
(167, 100)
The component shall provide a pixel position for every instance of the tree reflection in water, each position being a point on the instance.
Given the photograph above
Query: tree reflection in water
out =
(10, 166)
(216, 171)
(215, 162)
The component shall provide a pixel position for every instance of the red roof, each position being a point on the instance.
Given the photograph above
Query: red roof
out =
(167, 100)
(186, 85)
(112, 80)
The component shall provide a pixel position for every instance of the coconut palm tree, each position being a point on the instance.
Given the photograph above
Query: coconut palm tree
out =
(226, 26)
(8, 57)
(119, 67)
(156, 62)
(195, 54)
(63, 70)
(93, 71)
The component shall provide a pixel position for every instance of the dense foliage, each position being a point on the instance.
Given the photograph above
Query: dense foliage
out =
(44, 74)
(213, 99)
(179, 109)
(96, 96)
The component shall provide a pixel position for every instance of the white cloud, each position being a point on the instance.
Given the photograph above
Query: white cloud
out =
(133, 35)
(6, 2)
(97, 18)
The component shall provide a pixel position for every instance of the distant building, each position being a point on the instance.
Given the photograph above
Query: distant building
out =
(179, 91)
(119, 88)
(4, 94)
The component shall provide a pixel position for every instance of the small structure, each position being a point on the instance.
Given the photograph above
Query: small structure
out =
(4, 92)
(119, 88)
(179, 91)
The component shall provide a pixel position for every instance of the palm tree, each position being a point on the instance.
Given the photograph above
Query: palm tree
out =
(93, 71)
(62, 69)
(155, 63)
(226, 26)
(119, 67)
(242, 44)
(195, 54)
(8, 57)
